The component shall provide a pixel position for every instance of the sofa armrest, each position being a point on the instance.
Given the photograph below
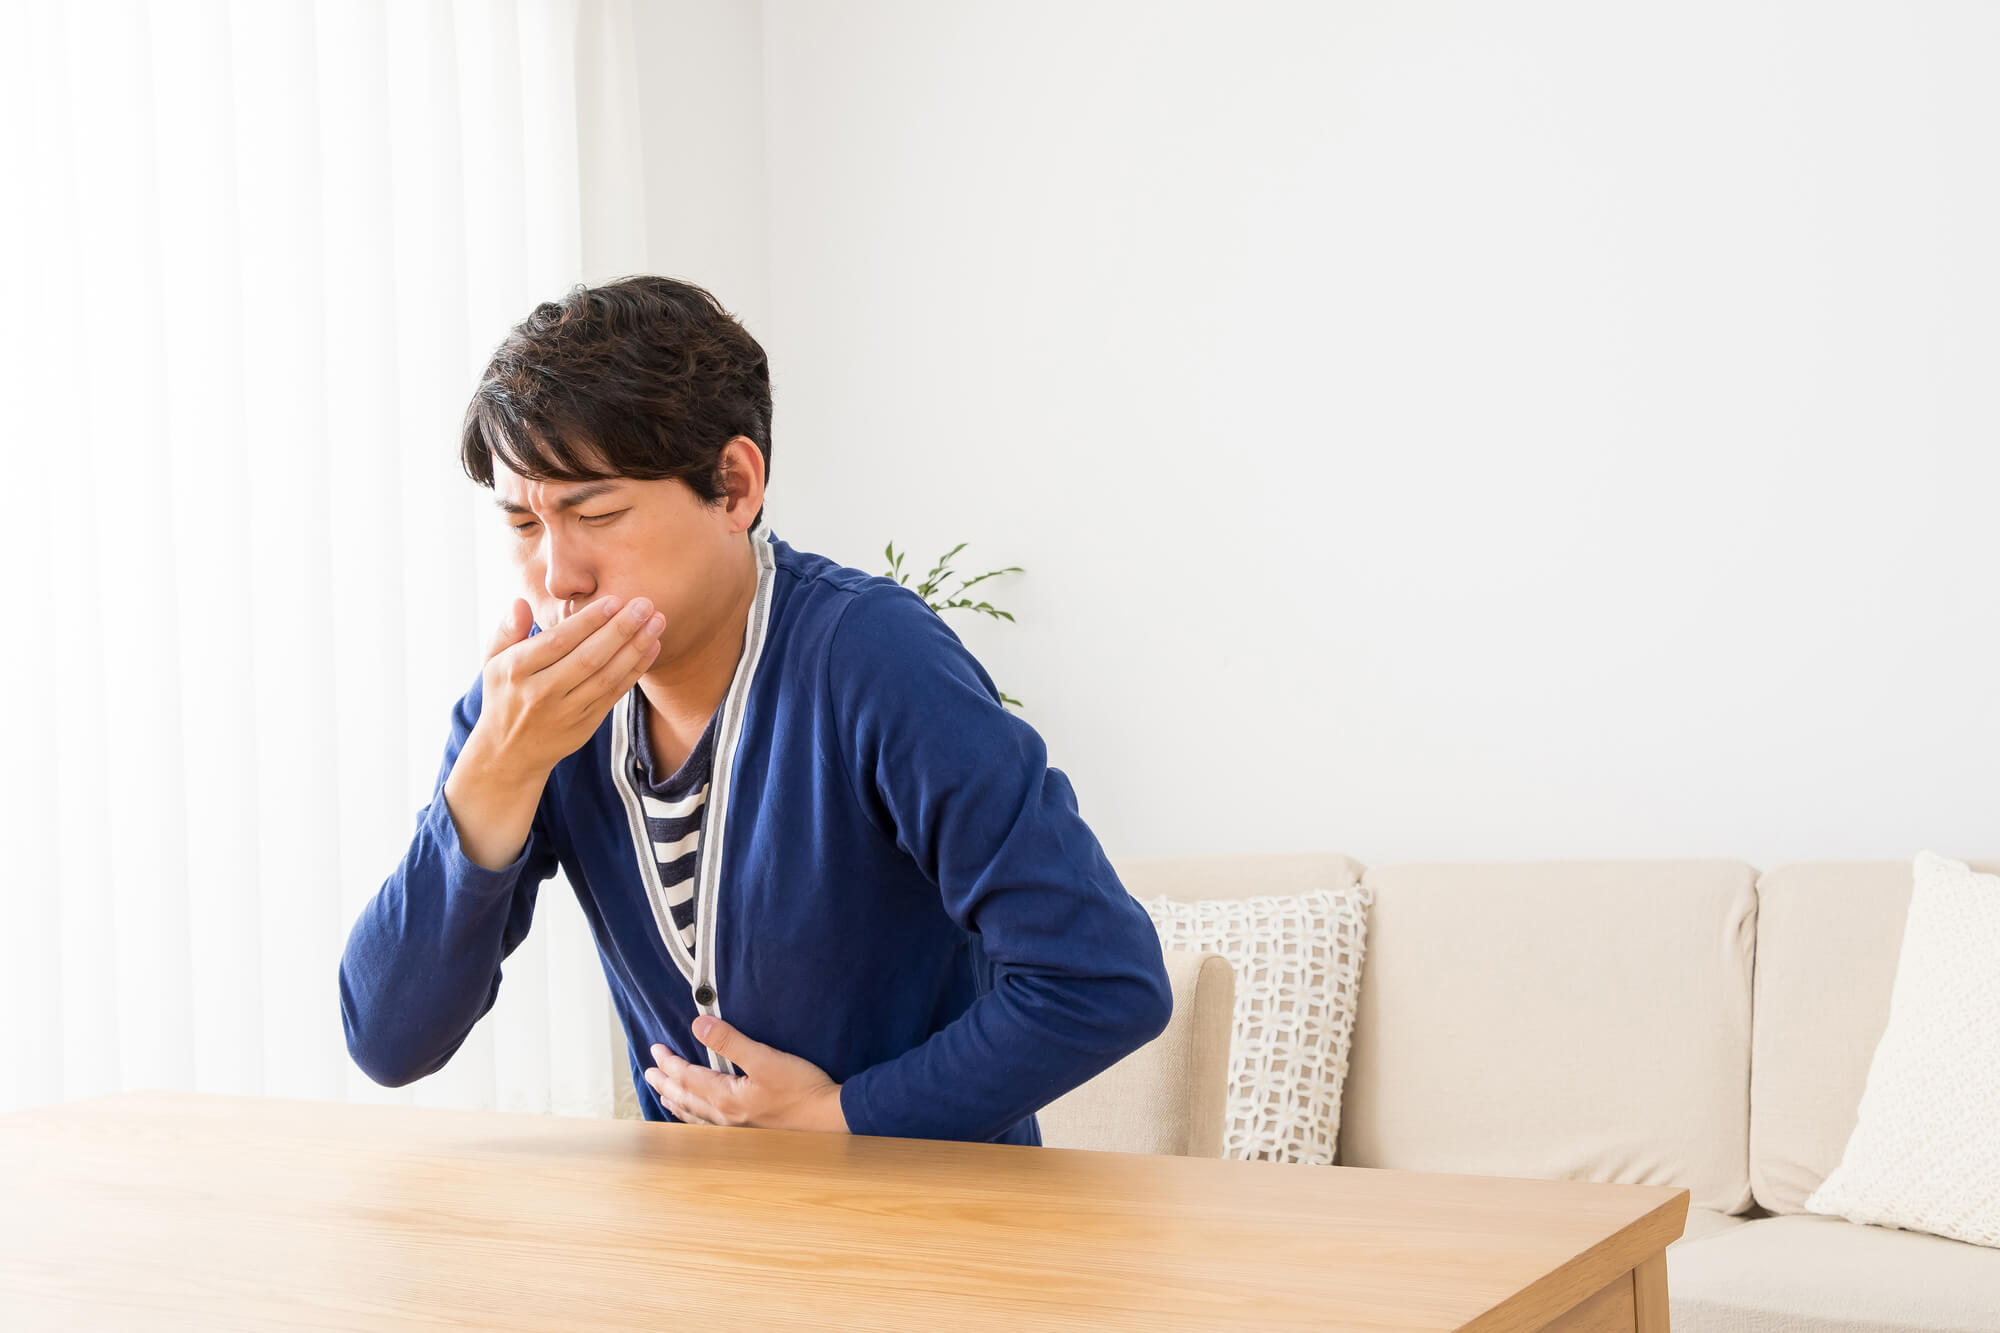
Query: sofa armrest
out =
(1169, 1096)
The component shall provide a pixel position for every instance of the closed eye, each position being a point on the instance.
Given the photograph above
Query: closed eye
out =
(587, 518)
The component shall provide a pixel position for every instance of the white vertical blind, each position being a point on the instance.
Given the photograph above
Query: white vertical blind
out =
(256, 254)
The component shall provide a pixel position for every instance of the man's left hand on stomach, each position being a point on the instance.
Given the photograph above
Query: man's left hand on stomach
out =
(774, 1091)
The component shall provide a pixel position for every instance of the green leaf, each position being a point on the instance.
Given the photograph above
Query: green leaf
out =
(989, 574)
(945, 559)
(931, 587)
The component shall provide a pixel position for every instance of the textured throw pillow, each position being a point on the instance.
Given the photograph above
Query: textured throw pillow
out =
(1925, 1151)
(1298, 974)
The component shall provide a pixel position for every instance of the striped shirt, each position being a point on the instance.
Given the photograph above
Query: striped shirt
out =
(674, 804)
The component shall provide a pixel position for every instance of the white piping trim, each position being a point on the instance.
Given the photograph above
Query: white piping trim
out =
(642, 840)
(700, 967)
(715, 820)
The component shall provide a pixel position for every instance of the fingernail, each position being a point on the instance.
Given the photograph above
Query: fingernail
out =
(639, 608)
(703, 1026)
(659, 1051)
(609, 606)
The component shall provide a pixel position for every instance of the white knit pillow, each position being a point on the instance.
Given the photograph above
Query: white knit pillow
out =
(1298, 975)
(1925, 1151)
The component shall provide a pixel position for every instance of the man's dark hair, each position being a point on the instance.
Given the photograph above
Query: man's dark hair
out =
(644, 377)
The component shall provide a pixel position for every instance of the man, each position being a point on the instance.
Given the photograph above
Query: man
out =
(833, 882)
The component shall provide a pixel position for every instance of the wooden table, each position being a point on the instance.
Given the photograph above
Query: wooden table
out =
(176, 1210)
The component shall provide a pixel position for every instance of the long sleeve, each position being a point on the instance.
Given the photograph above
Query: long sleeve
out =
(422, 962)
(1078, 978)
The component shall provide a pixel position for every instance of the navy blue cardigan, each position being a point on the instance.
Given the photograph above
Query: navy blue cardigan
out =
(893, 884)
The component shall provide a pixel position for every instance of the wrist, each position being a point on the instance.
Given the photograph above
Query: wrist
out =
(492, 811)
(491, 766)
(828, 1117)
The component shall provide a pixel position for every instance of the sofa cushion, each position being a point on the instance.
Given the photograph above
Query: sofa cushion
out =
(1812, 1042)
(1585, 1020)
(1705, 1222)
(1806, 1274)
(1212, 879)
(1925, 1153)
(1297, 962)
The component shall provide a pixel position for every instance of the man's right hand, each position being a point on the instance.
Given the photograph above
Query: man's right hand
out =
(542, 696)
(545, 694)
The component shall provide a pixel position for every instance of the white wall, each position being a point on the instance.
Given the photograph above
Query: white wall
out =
(701, 84)
(1430, 430)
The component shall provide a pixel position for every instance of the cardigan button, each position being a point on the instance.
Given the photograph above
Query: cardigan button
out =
(704, 995)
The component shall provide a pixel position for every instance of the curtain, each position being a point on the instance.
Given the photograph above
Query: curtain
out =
(256, 255)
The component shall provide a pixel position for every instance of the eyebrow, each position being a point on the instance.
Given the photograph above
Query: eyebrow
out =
(581, 495)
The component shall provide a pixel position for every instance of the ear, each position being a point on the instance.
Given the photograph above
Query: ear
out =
(742, 467)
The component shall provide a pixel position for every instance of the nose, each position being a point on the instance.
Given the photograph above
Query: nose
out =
(566, 576)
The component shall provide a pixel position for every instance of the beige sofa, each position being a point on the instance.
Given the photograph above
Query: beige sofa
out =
(1691, 1023)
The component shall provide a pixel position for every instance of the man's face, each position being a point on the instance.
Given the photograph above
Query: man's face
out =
(576, 542)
